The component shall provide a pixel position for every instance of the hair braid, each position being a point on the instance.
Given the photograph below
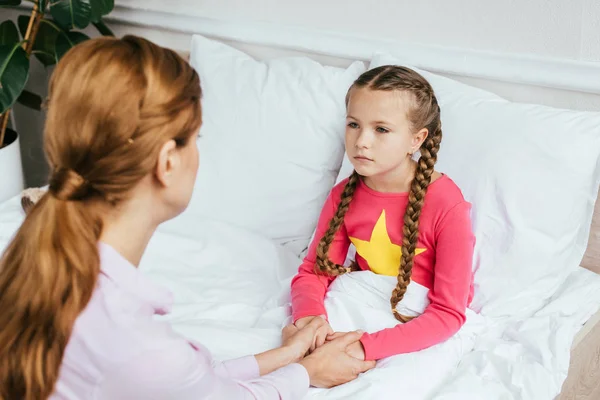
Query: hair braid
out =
(410, 231)
(324, 264)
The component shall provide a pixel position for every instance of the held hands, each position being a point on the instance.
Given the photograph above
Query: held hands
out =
(321, 334)
(331, 365)
(355, 349)
(325, 334)
(300, 340)
(335, 358)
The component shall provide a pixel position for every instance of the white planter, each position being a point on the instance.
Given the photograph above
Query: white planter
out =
(11, 170)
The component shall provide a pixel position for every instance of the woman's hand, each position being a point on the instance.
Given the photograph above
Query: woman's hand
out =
(322, 332)
(331, 365)
(355, 349)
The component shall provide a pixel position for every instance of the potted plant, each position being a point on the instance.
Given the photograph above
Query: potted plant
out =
(47, 32)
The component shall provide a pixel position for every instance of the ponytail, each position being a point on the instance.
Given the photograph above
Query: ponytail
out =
(43, 288)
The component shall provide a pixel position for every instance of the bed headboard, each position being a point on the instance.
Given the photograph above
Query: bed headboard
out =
(517, 77)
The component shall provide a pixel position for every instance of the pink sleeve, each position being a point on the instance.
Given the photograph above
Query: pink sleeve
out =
(448, 297)
(308, 288)
(180, 372)
(239, 368)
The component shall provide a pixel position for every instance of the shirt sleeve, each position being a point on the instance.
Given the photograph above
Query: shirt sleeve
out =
(243, 368)
(309, 289)
(180, 372)
(448, 297)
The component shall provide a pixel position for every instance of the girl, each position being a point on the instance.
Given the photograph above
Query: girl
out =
(404, 218)
(77, 315)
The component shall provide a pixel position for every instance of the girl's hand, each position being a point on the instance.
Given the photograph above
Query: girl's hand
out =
(302, 322)
(322, 332)
(298, 341)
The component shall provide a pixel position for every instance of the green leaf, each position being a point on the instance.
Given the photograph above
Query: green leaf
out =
(100, 8)
(45, 41)
(8, 3)
(70, 14)
(23, 21)
(67, 40)
(31, 100)
(8, 33)
(103, 29)
(45, 58)
(14, 71)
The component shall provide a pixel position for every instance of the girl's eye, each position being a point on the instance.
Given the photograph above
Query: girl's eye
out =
(353, 125)
(380, 129)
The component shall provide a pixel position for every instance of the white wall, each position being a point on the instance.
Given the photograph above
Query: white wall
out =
(567, 29)
(554, 34)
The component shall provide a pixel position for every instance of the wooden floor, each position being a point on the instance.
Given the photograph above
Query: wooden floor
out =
(583, 380)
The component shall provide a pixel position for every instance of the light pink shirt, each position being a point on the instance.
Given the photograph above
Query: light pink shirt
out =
(117, 350)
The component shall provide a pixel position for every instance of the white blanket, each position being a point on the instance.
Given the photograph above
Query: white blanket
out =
(231, 290)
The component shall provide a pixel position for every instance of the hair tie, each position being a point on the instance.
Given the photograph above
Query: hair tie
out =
(67, 184)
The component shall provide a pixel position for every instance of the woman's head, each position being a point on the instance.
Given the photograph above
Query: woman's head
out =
(122, 111)
(121, 122)
(392, 112)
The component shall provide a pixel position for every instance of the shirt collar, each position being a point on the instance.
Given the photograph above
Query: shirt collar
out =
(128, 277)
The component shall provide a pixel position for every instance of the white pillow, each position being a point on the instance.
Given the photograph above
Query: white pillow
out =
(532, 174)
(272, 139)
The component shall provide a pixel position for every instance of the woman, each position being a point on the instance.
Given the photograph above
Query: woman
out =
(77, 315)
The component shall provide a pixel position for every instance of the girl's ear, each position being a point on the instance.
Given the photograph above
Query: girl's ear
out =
(418, 139)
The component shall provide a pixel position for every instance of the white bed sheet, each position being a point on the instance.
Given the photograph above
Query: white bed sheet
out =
(231, 291)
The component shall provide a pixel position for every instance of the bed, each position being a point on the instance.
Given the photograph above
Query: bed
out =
(240, 309)
(544, 344)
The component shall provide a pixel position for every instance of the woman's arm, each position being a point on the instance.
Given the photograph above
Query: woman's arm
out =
(295, 343)
(252, 367)
(181, 371)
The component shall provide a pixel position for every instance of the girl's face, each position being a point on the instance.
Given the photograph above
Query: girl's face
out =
(379, 137)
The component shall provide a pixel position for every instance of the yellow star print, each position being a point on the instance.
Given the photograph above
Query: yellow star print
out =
(382, 255)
